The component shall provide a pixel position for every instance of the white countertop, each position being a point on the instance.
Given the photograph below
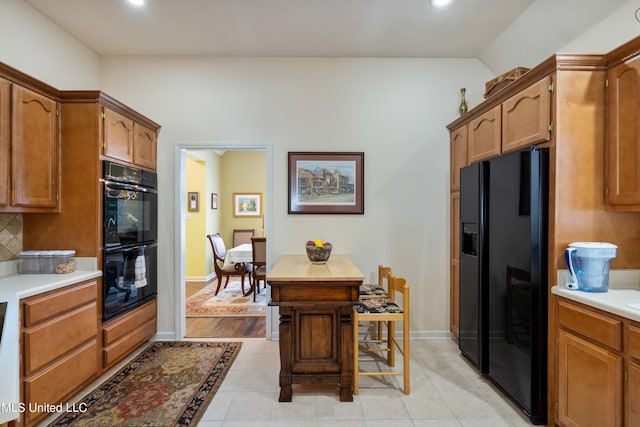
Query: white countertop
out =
(14, 287)
(624, 289)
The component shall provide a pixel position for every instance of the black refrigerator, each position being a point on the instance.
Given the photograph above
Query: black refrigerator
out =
(503, 274)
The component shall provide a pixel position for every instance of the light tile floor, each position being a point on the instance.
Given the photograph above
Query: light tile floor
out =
(445, 391)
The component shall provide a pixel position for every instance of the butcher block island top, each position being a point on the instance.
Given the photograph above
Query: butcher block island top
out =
(298, 268)
(315, 303)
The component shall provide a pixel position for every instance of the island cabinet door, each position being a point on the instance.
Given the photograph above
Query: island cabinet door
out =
(316, 341)
(589, 384)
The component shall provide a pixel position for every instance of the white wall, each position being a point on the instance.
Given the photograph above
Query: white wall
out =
(394, 110)
(36, 46)
(545, 27)
(613, 31)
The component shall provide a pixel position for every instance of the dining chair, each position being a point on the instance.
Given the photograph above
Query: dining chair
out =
(384, 310)
(259, 264)
(219, 253)
(242, 236)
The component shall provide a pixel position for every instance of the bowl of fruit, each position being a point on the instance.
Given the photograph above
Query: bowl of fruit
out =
(318, 251)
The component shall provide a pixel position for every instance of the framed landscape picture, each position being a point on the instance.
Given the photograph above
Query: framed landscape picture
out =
(326, 183)
(247, 205)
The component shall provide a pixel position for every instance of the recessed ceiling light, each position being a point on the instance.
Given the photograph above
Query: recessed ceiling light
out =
(440, 3)
(136, 2)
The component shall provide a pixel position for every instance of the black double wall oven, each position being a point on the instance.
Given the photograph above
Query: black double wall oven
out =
(130, 233)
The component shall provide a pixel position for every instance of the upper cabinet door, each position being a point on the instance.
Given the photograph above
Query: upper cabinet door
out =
(5, 118)
(35, 150)
(526, 117)
(458, 140)
(623, 133)
(118, 136)
(144, 146)
(484, 136)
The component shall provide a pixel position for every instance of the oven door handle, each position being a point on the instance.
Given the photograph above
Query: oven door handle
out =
(111, 185)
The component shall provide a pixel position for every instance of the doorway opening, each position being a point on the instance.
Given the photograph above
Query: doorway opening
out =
(210, 179)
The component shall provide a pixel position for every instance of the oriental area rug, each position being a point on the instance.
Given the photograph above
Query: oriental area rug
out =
(168, 384)
(228, 302)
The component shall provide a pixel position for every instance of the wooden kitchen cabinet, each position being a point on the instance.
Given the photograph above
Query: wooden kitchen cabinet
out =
(458, 152)
(29, 149)
(5, 152)
(484, 135)
(117, 136)
(598, 367)
(526, 117)
(126, 140)
(623, 135)
(589, 384)
(454, 313)
(59, 345)
(124, 334)
(144, 146)
(35, 150)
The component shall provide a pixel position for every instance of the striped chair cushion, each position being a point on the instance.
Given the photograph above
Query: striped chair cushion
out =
(377, 305)
(372, 290)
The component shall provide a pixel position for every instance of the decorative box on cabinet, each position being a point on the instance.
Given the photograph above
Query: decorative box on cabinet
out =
(29, 147)
(484, 135)
(59, 345)
(126, 333)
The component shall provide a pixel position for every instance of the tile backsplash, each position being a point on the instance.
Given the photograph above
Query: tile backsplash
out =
(10, 236)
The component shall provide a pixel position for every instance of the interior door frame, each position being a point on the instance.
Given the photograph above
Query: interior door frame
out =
(180, 214)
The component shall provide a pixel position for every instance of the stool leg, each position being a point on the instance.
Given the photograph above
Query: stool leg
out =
(406, 357)
(391, 355)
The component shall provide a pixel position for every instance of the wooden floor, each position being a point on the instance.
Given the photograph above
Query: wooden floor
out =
(222, 327)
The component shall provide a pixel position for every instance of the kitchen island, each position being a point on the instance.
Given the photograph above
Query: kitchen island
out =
(316, 321)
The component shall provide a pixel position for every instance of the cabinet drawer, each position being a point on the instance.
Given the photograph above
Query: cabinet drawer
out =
(41, 308)
(61, 379)
(633, 337)
(50, 340)
(128, 343)
(605, 330)
(120, 327)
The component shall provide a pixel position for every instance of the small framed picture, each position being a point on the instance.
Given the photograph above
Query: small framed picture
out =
(192, 201)
(214, 200)
(247, 205)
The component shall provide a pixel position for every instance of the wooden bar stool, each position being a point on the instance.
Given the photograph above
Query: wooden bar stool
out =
(385, 310)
